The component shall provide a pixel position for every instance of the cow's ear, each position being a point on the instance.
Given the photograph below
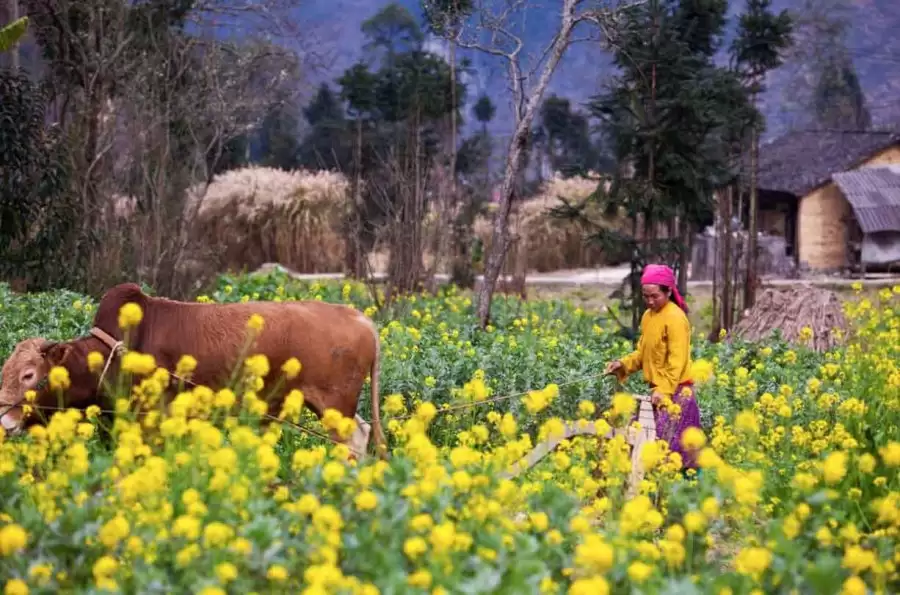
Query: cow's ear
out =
(55, 353)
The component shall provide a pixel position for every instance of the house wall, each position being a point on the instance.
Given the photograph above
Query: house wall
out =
(823, 218)
(822, 229)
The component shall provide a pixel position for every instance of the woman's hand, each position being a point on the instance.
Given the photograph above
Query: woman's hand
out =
(657, 397)
(613, 367)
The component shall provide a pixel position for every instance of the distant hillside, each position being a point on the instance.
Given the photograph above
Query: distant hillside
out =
(873, 45)
(875, 49)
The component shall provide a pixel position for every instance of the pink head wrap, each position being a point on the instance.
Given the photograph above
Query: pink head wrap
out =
(660, 274)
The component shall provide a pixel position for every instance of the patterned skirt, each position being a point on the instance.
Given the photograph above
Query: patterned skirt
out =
(670, 428)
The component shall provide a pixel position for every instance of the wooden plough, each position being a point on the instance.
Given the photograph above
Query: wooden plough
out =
(634, 437)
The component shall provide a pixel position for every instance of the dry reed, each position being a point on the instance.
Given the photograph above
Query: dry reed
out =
(254, 215)
(548, 243)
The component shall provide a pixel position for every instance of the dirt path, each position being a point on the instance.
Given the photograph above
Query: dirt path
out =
(612, 276)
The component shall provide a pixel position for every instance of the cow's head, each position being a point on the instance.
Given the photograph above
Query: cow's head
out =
(25, 370)
(28, 368)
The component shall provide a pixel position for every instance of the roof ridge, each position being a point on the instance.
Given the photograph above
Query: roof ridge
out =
(870, 132)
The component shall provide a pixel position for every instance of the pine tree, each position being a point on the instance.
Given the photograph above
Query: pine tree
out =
(565, 136)
(665, 119)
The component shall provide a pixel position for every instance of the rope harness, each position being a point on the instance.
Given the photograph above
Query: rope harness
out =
(118, 348)
(115, 348)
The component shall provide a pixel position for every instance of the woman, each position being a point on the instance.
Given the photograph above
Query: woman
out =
(663, 354)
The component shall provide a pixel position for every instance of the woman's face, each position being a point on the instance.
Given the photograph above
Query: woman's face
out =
(654, 297)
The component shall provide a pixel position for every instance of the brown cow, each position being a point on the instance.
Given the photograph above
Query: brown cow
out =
(337, 346)
(21, 372)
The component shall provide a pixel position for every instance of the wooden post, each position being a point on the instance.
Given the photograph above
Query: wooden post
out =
(635, 438)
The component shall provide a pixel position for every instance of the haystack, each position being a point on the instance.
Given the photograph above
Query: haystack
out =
(548, 243)
(791, 310)
(253, 215)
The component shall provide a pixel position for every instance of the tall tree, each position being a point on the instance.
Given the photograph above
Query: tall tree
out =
(36, 212)
(392, 30)
(444, 17)
(665, 118)
(400, 108)
(358, 90)
(484, 111)
(474, 166)
(326, 144)
(279, 136)
(758, 48)
(566, 137)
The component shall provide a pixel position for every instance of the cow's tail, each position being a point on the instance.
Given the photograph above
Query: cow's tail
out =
(380, 441)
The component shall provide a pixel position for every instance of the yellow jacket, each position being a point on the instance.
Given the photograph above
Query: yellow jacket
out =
(663, 351)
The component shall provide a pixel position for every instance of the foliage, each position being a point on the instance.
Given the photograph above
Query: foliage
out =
(11, 33)
(36, 216)
(563, 135)
(445, 16)
(761, 39)
(798, 490)
(328, 144)
(668, 116)
(484, 110)
(279, 137)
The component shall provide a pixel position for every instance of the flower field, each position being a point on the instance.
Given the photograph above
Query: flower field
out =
(799, 490)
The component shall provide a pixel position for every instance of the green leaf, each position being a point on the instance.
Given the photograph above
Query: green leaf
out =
(824, 574)
(12, 33)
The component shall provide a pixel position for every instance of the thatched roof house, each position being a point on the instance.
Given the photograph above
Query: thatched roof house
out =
(823, 191)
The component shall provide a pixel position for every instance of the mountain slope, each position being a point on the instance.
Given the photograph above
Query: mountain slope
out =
(872, 45)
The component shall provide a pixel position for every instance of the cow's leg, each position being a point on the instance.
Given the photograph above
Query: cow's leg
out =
(359, 440)
(319, 400)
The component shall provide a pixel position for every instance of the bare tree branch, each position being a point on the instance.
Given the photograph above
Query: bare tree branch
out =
(526, 98)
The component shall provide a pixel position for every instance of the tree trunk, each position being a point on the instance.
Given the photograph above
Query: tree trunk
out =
(453, 120)
(90, 162)
(523, 117)
(717, 225)
(500, 229)
(635, 284)
(462, 272)
(684, 257)
(354, 257)
(727, 262)
(405, 262)
(751, 278)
